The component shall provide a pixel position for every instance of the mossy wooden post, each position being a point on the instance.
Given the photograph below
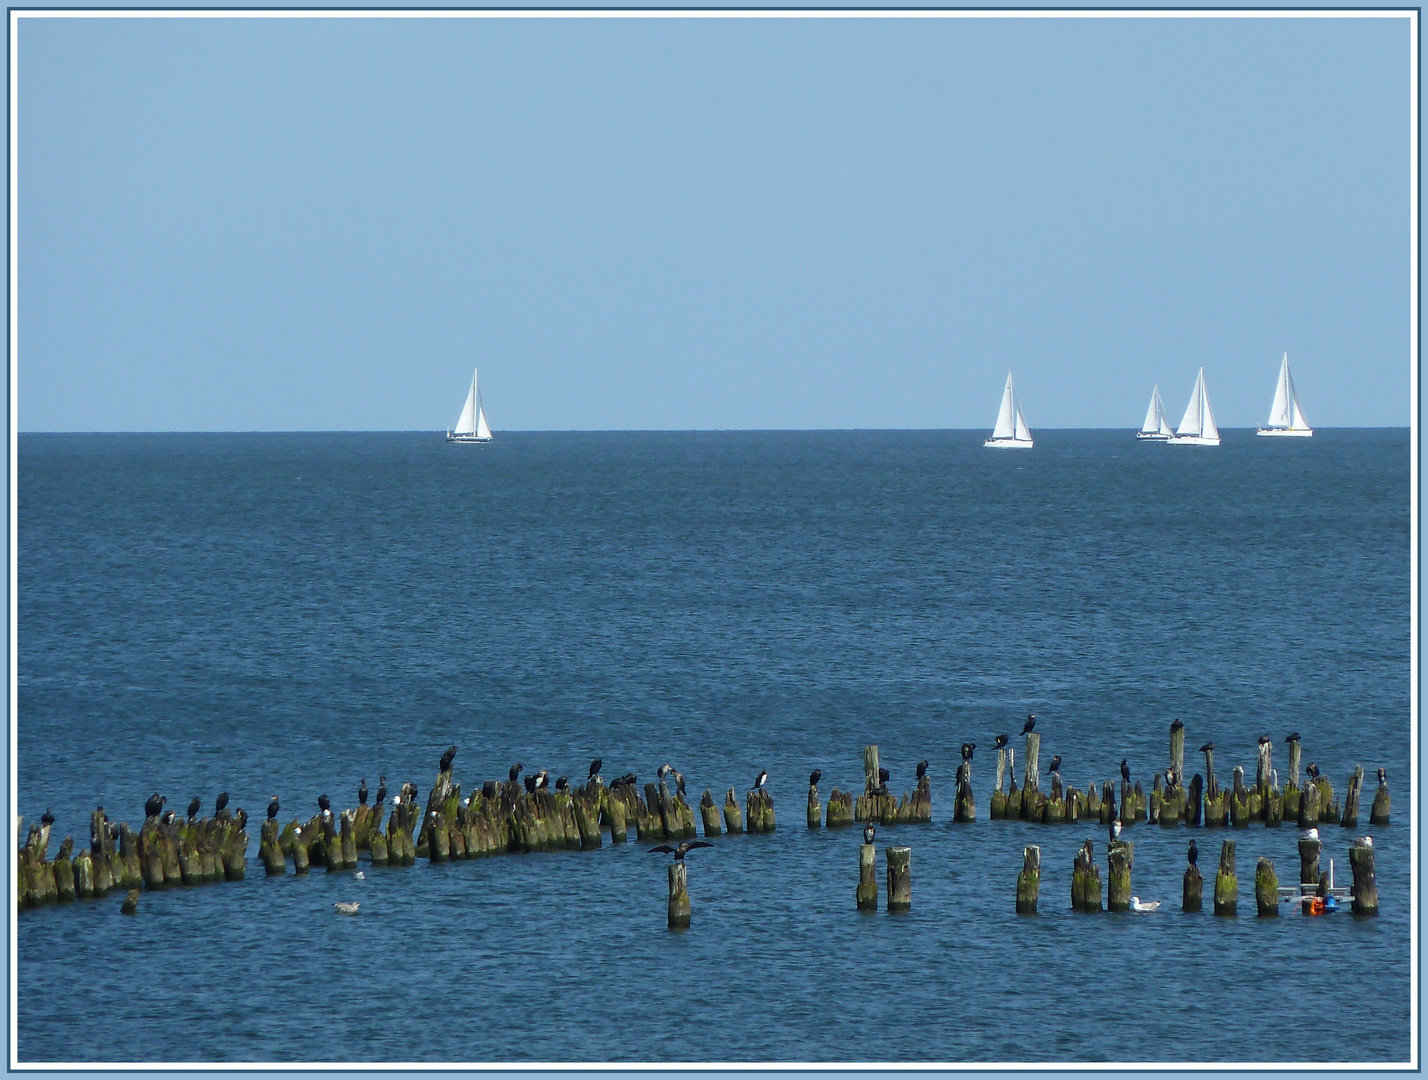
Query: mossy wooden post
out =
(1266, 888)
(867, 878)
(129, 857)
(1031, 779)
(1140, 803)
(1227, 886)
(733, 818)
(1328, 805)
(1085, 880)
(710, 813)
(815, 808)
(899, 862)
(1108, 803)
(131, 902)
(1309, 861)
(1157, 800)
(1212, 788)
(966, 806)
(269, 851)
(1351, 799)
(64, 871)
(1028, 882)
(1263, 767)
(1309, 807)
(678, 896)
(1292, 793)
(870, 767)
(1120, 859)
(349, 842)
(840, 808)
(83, 875)
(1177, 754)
(1093, 802)
(1239, 801)
(1192, 889)
(997, 807)
(1382, 804)
(1365, 887)
(376, 845)
(1194, 802)
(760, 811)
(615, 815)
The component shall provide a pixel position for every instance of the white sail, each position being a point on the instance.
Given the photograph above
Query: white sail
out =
(1279, 410)
(1197, 427)
(1190, 423)
(1153, 415)
(1165, 429)
(472, 426)
(467, 424)
(483, 431)
(1023, 434)
(1208, 430)
(1006, 417)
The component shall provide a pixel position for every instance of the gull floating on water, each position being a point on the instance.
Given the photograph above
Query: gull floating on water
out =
(1137, 904)
(346, 909)
(361, 876)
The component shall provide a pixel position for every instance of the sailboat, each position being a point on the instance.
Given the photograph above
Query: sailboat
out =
(1156, 427)
(1197, 427)
(1011, 430)
(472, 426)
(1285, 416)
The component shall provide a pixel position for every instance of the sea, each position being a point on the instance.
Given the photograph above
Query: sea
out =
(290, 614)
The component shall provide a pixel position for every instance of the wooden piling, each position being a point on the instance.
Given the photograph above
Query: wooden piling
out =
(83, 875)
(899, 871)
(1263, 767)
(815, 808)
(965, 807)
(760, 811)
(1309, 861)
(678, 896)
(1028, 882)
(1365, 887)
(269, 851)
(733, 819)
(1212, 789)
(1328, 805)
(998, 804)
(131, 902)
(867, 878)
(1085, 880)
(64, 871)
(1192, 889)
(1382, 804)
(1309, 807)
(1140, 803)
(1350, 819)
(1093, 803)
(710, 813)
(1177, 755)
(1120, 859)
(1239, 801)
(349, 842)
(840, 809)
(1266, 888)
(1227, 886)
(615, 816)
(376, 844)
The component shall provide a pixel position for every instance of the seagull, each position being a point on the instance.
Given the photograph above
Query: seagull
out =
(1207, 748)
(1368, 841)
(1137, 904)
(346, 909)
(869, 832)
(815, 776)
(361, 876)
(362, 793)
(447, 758)
(516, 771)
(1030, 723)
(1001, 742)
(761, 780)
(594, 769)
(1194, 854)
(1176, 724)
(273, 809)
(1125, 771)
(1311, 834)
(1115, 829)
(193, 808)
(1382, 777)
(680, 850)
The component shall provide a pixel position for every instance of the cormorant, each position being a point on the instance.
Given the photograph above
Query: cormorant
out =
(814, 777)
(679, 781)
(968, 748)
(922, 768)
(362, 793)
(488, 789)
(630, 779)
(154, 805)
(1169, 777)
(220, 803)
(1176, 724)
(530, 784)
(1263, 739)
(168, 818)
(273, 809)
(242, 818)
(1312, 770)
(324, 803)
(561, 783)
(1194, 854)
(884, 776)
(1293, 736)
(665, 769)
(594, 768)
(1001, 742)
(680, 850)
(1056, 763)
(516, 771)
(48, 818)
(542, 779)
(381, 789)
(1207, 748)
(193, 807)
(761, 780)
(869, 832)
(1030, 723)
(447, 758)
(1125, 771)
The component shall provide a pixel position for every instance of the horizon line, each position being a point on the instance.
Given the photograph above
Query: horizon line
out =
(598, 431)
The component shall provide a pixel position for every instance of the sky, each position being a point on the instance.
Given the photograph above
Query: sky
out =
(283, 224)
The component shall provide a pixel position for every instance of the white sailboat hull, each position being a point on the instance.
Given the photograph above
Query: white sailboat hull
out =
(1010, 444)
(1191, 440)
(1152, 436)
(1286, 432)
(458, 436)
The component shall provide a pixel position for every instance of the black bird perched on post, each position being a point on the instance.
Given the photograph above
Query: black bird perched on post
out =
(1194, 854)
(968, 748)
(1293, 736)
(381, 789)
(273, 809)
(362, 793)
(815, 776)
(324, 803)
(679, 781)
(1312, 770)
(1125, 771)
(1176, 724)
(1207, 748)
(242, 818)
(488, 789)
(1056, 763)
(869, 832)
(1030, 723)
(220, 803)
(193, 807)
(761, 780)
(154, 805)
(516, 771)
(665, 769)
(1001, 742)
(1263, 739)
(594, 769)
(561, 783)
(447, 758)
(168, 818)
(884, 776)
(921, 769)
(530, 784)
(680, 850)
(48, 818)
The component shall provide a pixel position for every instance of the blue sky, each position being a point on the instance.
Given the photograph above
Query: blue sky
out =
(708, 223)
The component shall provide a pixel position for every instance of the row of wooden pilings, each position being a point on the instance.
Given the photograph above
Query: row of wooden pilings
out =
(1120, 857)
(1172, 802)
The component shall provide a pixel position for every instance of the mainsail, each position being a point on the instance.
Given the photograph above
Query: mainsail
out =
(1155, 420)
(1285, 411)
(1199, 420)
(1011, 429)
(472, 426)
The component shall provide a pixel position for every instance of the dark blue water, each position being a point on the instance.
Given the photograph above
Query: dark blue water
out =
(292, 613)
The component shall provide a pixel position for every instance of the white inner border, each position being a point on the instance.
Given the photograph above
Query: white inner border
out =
(1411, 18)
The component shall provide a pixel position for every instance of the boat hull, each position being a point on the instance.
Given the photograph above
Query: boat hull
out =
(451, 437)
(1009, 444)
(1152, 436)
(1191, 440)
(1286, 433)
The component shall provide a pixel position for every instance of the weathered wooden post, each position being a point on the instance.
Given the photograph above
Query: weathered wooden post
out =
(1227, 886)
(269, 851)
(965, 808)
(1309, 861)
(867, 878)
(678, 896)
(1028, 882)
(1263, 766)
(1195, 806)
(1351, 798)
(131, 902)
(1177, 754)
(83, 875)
(1108, 802)
(376, 845)
(1031, 779)
(1292, 793)
(1120, 858)
(1365, 890)
(760, 811)
(1239, 801)
(64, 871)
(710, 813)
(997, 808)
(349, 842)
(733, 818)
(618, 820)
(1193, 887)
(1381, 802)
(1212, 789)
(815, 808)
(1157, 800)
(899, 878)
(1085, 880)
(840, 808)
(1266, 888)
(1309, 807)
